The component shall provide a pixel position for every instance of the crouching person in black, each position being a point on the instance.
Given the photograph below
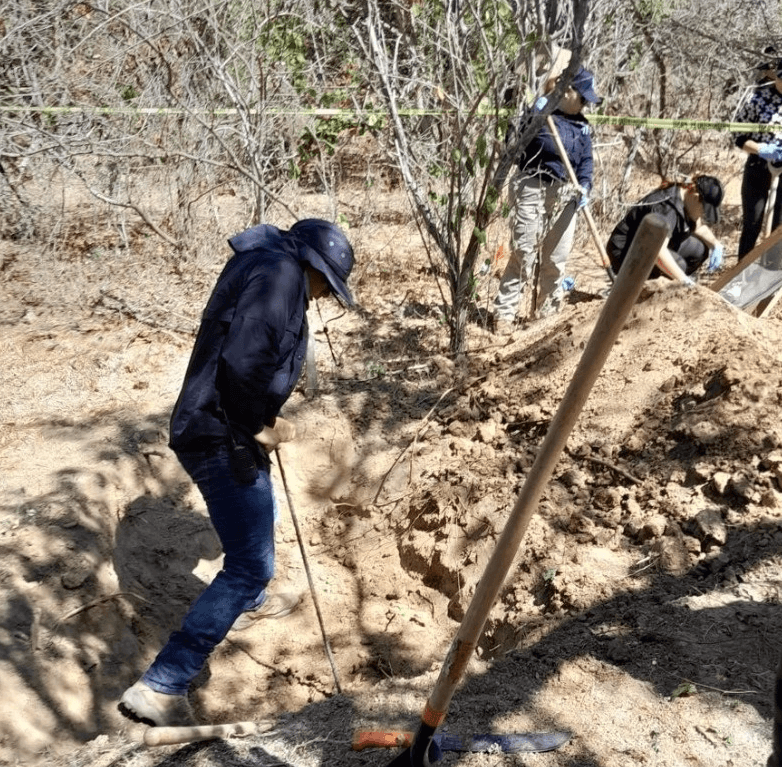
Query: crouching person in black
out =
(688, 208)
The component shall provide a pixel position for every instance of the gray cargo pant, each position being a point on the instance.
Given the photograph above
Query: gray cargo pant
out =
(542, 228)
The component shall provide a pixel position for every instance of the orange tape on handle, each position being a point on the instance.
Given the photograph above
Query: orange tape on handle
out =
(381, 739)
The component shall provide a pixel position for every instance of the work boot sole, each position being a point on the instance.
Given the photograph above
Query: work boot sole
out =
(141, 704)
(129, 713)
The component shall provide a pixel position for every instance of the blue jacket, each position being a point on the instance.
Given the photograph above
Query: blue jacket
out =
(541, 156)
(250, 346)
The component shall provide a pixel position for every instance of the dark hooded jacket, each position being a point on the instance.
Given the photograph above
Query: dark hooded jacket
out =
(541, 156)
(250, 347)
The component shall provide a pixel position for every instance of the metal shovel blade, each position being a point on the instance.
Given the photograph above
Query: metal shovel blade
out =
(423, 752)
(511, 743)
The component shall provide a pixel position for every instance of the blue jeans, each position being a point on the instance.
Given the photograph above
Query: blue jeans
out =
(243, 516)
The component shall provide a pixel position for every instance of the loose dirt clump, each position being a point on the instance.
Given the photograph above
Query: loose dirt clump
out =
(641, 609)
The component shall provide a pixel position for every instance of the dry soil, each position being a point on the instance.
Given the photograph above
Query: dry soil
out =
(641, 614)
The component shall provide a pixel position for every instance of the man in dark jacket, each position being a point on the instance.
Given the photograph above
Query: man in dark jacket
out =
(544, 206)
(246, 360)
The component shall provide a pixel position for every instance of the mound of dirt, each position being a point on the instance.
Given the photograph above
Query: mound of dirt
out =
(640, 608)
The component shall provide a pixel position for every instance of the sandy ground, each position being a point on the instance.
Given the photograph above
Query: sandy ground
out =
(641, 614)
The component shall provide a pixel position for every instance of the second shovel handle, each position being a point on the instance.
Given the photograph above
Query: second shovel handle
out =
(381, 739)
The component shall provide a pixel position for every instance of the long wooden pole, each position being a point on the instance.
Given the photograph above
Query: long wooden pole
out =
(651, 236)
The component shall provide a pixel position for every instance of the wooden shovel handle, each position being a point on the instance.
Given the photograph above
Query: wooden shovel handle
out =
(772, 198)
(171, 736)
(652, 235)
(381, 739)
(552, 126)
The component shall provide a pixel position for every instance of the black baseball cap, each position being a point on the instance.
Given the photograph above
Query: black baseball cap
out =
(325, 247)
(711, 194)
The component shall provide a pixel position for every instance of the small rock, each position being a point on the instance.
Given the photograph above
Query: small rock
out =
(573, 478)
(606, 498)
(582, 451)
(720, 482)
(693, 545)
(652, 528)
(488, 453)
(634, 443)
(74, 579)
(709, 528)
(719, 562)
(674, 558)
(669, 384)
(487, 431)
(581, 525)
(457, 429)
(699, 473)
(705, 432)
(444, 365)
(771, 461)
(742, 486)
(632, 506)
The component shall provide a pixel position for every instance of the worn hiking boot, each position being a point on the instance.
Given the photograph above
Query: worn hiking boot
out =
(274, 606)
(143, 704)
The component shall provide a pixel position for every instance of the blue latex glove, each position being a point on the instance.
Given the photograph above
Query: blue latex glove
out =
(583, 201)
(770, 152)
(540, 104)
(715, 257)
(568, 283)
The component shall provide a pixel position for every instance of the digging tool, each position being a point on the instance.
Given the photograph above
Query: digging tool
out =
(585, 210)
(310, 580)
(774, 170)
(518, 743)
(172, 736)
(651, 237)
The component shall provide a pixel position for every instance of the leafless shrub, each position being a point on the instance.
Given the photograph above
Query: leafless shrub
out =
(194, 100)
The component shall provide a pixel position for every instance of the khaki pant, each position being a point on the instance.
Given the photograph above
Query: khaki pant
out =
(542, 229)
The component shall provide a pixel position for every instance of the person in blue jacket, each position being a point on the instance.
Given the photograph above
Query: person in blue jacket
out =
(247, 357)
(544, 206)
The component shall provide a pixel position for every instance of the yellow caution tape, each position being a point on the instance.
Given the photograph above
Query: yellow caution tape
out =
(656, 123)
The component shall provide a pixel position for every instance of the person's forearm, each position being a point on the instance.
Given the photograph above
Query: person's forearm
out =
(750, 146)
(705, 235)
(668, 266)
